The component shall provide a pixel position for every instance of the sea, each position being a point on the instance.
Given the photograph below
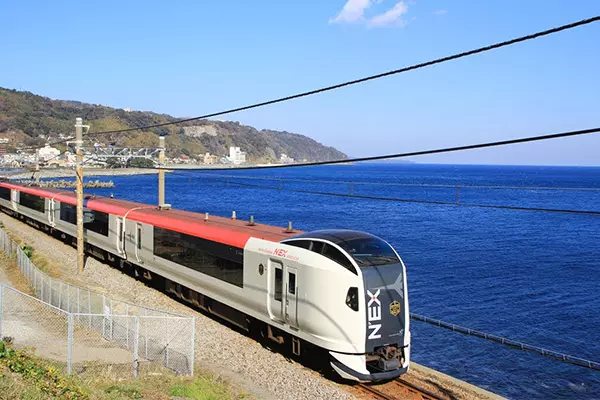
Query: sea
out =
(531, 276)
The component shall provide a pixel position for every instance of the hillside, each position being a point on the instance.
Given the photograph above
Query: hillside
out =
(29, 119)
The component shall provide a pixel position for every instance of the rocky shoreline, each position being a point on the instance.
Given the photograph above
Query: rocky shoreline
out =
(91, 172)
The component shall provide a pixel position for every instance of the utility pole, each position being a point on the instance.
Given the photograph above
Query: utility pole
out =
(161, 172)
(79, 190)
(37, 167)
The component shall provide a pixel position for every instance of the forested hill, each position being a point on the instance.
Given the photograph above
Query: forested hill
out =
(29, 119)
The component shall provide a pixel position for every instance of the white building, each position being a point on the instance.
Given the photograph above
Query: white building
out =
(285, 159)
(48, 152)
(237, 156)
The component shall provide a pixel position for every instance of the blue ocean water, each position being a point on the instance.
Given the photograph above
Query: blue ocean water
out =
(529, 276)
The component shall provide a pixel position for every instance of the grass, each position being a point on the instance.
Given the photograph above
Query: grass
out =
(202, 388)
(27, 377)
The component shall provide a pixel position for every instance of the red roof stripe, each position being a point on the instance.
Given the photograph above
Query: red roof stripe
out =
(231, 232)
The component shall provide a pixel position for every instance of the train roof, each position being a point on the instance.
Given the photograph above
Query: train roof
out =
(336, 236)
(224, 230)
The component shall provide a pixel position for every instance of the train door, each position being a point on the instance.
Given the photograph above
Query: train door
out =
(120, 237)
(138, 242)
(275, 290)
(51, 207)
(291, 296)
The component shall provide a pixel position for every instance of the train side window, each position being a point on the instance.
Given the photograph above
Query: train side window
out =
(292, 283)
(278, 284)
(33, 202)
(337, 256)
(305, 244)
(5, 193)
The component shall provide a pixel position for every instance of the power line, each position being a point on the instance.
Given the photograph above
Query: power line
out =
(401, 200)
(369, 78)
(555, 355)
(352, 82)
(413, 185)
(408, 154)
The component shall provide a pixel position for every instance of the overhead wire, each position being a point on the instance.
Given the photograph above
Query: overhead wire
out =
(413, 185)
(403, 155)
(367, 78)
(418, 201)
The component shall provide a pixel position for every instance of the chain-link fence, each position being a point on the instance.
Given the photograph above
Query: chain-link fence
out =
(95, 330)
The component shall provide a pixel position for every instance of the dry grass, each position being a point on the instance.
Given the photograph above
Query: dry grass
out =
(14, 274)
(45, 264)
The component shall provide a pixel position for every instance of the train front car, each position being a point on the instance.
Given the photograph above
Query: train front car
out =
(381, 302)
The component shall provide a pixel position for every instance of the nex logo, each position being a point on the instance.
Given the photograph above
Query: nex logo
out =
(374, 314)
(280, 252)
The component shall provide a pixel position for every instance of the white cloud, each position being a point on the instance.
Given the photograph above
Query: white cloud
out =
(353, 11)
(440, 12)
(391, 16)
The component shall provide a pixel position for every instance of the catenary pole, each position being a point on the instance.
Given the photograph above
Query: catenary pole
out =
(79, 190)
(37, 167)
(161, 172)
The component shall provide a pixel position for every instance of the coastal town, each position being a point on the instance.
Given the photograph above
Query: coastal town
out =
(109, 156)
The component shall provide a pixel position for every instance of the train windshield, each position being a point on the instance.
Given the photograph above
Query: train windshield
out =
(370, 252)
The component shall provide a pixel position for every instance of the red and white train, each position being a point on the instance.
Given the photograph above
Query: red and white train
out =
(340, 291)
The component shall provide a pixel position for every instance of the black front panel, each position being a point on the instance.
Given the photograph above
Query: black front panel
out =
(95, 221)
(33, 202)
(4, 193)
(211, 258)
(385, 313)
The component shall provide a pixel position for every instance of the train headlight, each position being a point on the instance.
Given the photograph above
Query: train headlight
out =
(352, 298)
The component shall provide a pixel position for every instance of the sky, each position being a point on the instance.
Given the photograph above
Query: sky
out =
(189, 58)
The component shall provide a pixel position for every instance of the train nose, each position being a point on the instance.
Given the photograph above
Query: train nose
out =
(385, 306)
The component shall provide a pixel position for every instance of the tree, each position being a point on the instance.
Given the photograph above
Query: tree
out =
(161, 131)
(113, 162)
(141, 162)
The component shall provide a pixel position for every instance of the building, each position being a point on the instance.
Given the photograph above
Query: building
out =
(208, 159)
(284, 159)
(47, 153)
(236, 155)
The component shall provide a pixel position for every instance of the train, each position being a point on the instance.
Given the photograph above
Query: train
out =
(343, 292)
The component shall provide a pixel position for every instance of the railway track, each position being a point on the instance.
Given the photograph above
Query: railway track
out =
(398, 389)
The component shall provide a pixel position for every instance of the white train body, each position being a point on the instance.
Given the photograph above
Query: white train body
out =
(314, 288)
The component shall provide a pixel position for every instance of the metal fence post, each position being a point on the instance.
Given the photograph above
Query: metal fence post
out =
(90, 309)
(104, 316)
(136, 341)
(1, 307)
(112, 324)
(146, 334)
(192, 355)
(127, 329)
(78, 305)
(167, 345)
(70, 344)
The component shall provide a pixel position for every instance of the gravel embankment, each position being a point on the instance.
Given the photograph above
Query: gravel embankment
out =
(238, 358)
